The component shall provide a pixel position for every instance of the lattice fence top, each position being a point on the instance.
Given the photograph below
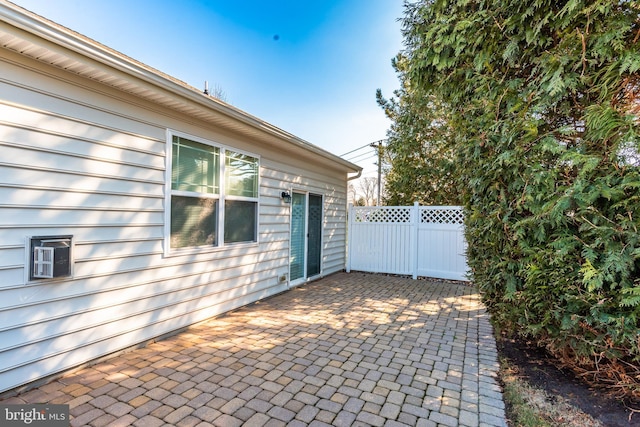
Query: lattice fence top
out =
(441, 215)
(400, 214)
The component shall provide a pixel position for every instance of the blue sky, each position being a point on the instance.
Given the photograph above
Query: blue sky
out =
(309, 67)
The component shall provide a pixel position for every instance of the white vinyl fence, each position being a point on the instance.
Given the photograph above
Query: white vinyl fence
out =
(408, 240)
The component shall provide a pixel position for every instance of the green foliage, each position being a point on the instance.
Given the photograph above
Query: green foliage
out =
(422, 160)
(535, 103)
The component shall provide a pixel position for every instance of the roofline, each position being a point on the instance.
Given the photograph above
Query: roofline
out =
(76, 42)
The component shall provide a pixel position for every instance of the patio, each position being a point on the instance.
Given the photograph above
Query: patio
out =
(350, 349)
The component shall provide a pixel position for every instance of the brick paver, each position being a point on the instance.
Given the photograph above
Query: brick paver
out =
(350, 349)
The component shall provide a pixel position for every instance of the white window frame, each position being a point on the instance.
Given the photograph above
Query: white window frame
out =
(221, 197)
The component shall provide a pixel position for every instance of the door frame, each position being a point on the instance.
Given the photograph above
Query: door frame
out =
(305, 277)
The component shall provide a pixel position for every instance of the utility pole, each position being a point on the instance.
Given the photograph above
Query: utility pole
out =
(379, 147)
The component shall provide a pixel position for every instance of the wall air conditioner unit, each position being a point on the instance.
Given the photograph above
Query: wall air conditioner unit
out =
(50, 257)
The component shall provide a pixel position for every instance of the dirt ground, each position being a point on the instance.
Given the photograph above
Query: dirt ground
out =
(539, 371)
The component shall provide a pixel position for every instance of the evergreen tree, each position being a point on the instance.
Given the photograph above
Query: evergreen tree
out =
(542, 113)
(419, 151)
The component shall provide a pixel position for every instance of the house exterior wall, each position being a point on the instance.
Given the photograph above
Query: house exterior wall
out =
(79, 158)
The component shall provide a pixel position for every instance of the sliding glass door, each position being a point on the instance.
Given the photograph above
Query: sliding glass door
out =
(306, 237)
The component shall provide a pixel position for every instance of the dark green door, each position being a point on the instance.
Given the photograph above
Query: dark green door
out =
(314, 240)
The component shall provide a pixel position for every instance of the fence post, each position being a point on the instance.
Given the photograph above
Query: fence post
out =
(415, 225)
(349, 236)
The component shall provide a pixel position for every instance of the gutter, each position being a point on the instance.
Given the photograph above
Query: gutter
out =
(356, 176)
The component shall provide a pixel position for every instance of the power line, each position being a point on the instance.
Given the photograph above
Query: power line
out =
(351, 159)
(352, 151)
(367, 160)
(373, 156)
(365, 146)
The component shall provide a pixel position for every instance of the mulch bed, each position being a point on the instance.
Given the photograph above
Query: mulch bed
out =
(538, 369)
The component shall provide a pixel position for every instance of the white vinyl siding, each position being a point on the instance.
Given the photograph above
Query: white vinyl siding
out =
(80, 159)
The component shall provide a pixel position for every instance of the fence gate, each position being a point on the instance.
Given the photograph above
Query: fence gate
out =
(408, 240)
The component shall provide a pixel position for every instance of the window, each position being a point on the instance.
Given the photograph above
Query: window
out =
(239, 221)
(241, 202)
(209, 195)
(195, 167)
(241, 174)
(193, 222)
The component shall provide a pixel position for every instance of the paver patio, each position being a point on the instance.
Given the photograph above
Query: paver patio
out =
(348, 350)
